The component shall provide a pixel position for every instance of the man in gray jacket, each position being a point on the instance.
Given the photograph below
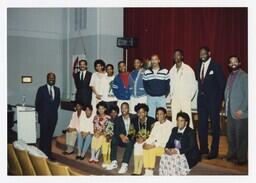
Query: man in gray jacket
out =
(236, 97)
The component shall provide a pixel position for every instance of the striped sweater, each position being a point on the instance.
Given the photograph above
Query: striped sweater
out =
(156, 84)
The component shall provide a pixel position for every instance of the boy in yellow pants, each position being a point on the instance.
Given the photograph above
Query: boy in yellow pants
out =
(138, 155)
(106, 148)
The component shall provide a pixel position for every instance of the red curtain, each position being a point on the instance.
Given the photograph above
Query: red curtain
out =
(161, 30)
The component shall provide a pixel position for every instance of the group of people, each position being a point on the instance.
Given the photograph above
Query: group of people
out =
(143, 128)
(140, 135)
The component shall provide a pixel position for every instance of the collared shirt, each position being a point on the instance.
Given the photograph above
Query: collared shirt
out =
(155, 70)
(84, 73)
(86, 124)
(181, 130)
(51, 88)
(76, 121)
(127, 124)
(183, 82)
(206, 65)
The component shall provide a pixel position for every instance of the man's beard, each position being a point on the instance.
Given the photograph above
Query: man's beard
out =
(233, 69)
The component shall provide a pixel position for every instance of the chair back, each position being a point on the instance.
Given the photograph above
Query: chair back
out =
(25, 162)
(14, 167)
(58, 169)
(40, 165)
(73, 173)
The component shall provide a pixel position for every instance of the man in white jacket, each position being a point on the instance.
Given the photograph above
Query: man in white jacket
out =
(184, 86)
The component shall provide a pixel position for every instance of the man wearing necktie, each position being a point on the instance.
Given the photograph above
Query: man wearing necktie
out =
(82, 80)
(211, 83)
(47, 104)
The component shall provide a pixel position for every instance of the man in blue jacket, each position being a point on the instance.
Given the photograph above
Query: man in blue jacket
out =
(156, 83)
(138, 94)
(121, 85)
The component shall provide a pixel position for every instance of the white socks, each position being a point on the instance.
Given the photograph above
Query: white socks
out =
(148, 172)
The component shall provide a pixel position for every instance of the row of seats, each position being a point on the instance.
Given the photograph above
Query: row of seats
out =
(20, 162)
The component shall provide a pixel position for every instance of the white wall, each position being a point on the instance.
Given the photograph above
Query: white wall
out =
(35, 47)
(36, 22)
(41, 40)
(104, 25)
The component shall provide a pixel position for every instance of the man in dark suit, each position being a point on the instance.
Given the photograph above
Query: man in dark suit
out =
(211, 83)
(123, 136)
(47, 104)
(82, 80)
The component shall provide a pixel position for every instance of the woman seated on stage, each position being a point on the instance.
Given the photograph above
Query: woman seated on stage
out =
(181, 150)
(154, 145)
(100, 121)
(84, 138)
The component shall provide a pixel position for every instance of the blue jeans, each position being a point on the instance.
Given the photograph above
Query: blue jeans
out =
(155, 102)
(83, 144)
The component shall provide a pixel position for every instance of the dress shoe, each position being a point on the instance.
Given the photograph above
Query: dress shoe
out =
(240, 163)
(82, 157)
(204, 156)
(67, 153)
(135, 174)
(96, 161)
(78, 157)
(91, 161)
(230, 158)
(64, 131)
(212, 156)
(204, 152)
(52, 159)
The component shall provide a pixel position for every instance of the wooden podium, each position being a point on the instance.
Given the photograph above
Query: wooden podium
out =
(26, 123)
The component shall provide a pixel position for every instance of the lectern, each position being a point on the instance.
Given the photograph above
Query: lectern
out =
(26, 123)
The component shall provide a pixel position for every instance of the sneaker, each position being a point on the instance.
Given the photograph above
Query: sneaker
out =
(91, 160)
(104, 165)
(112, 165)
(123, 168)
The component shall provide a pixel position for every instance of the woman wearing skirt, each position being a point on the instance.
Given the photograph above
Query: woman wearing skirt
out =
(181, 150)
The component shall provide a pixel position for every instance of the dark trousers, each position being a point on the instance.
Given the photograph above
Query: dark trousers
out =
(237, 133)
(206, 110)
(116, 141)
(84, 97)
(47, 128)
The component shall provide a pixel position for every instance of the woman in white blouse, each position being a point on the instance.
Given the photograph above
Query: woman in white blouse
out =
(97, 83)
(154, 145)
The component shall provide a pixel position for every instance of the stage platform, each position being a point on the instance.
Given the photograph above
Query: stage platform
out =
(205, 167)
